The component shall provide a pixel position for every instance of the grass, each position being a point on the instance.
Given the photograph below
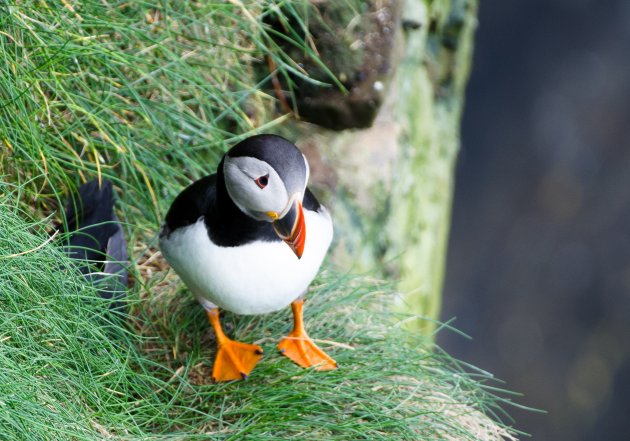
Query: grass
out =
(68, 371)
(149, 94)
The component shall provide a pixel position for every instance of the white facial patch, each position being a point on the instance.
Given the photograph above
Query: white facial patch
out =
(240, 180)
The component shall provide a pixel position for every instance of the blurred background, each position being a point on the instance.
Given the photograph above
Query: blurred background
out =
(539, 256)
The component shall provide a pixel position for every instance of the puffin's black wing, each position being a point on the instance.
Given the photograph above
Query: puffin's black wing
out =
(191, 204)
(310, 202)
(96, 237)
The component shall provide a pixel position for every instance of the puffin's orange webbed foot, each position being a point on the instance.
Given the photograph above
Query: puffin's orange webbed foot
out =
(304, 352)
(234, 360)
(298, 347)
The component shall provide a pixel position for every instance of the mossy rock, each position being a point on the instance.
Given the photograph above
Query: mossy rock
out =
(356, 41)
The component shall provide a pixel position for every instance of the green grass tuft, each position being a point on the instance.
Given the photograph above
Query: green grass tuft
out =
(147, 94)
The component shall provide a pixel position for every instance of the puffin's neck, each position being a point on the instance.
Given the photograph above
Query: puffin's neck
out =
(228, 225)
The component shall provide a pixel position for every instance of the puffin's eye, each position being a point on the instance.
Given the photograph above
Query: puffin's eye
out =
(262, 181)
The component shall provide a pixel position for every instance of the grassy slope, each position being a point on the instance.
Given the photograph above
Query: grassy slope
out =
(149, 94)
(69, 373)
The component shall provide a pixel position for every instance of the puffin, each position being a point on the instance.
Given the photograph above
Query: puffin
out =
(95, 240)
(250, 239)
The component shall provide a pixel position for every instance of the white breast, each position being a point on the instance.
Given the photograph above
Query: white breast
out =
(255, 278)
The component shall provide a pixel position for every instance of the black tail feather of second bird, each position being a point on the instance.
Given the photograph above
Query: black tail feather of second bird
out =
(96, 239)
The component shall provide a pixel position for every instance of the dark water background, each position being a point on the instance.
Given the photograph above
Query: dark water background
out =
(539, 258)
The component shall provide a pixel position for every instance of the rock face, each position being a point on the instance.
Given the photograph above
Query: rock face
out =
(357, 41)
(393, 181)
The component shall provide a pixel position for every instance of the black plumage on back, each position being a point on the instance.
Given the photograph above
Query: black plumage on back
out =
(190, 204)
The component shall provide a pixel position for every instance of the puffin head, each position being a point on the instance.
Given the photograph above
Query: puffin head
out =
(266, 177)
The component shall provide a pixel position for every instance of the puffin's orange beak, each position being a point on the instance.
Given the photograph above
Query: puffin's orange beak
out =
(291, 228)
